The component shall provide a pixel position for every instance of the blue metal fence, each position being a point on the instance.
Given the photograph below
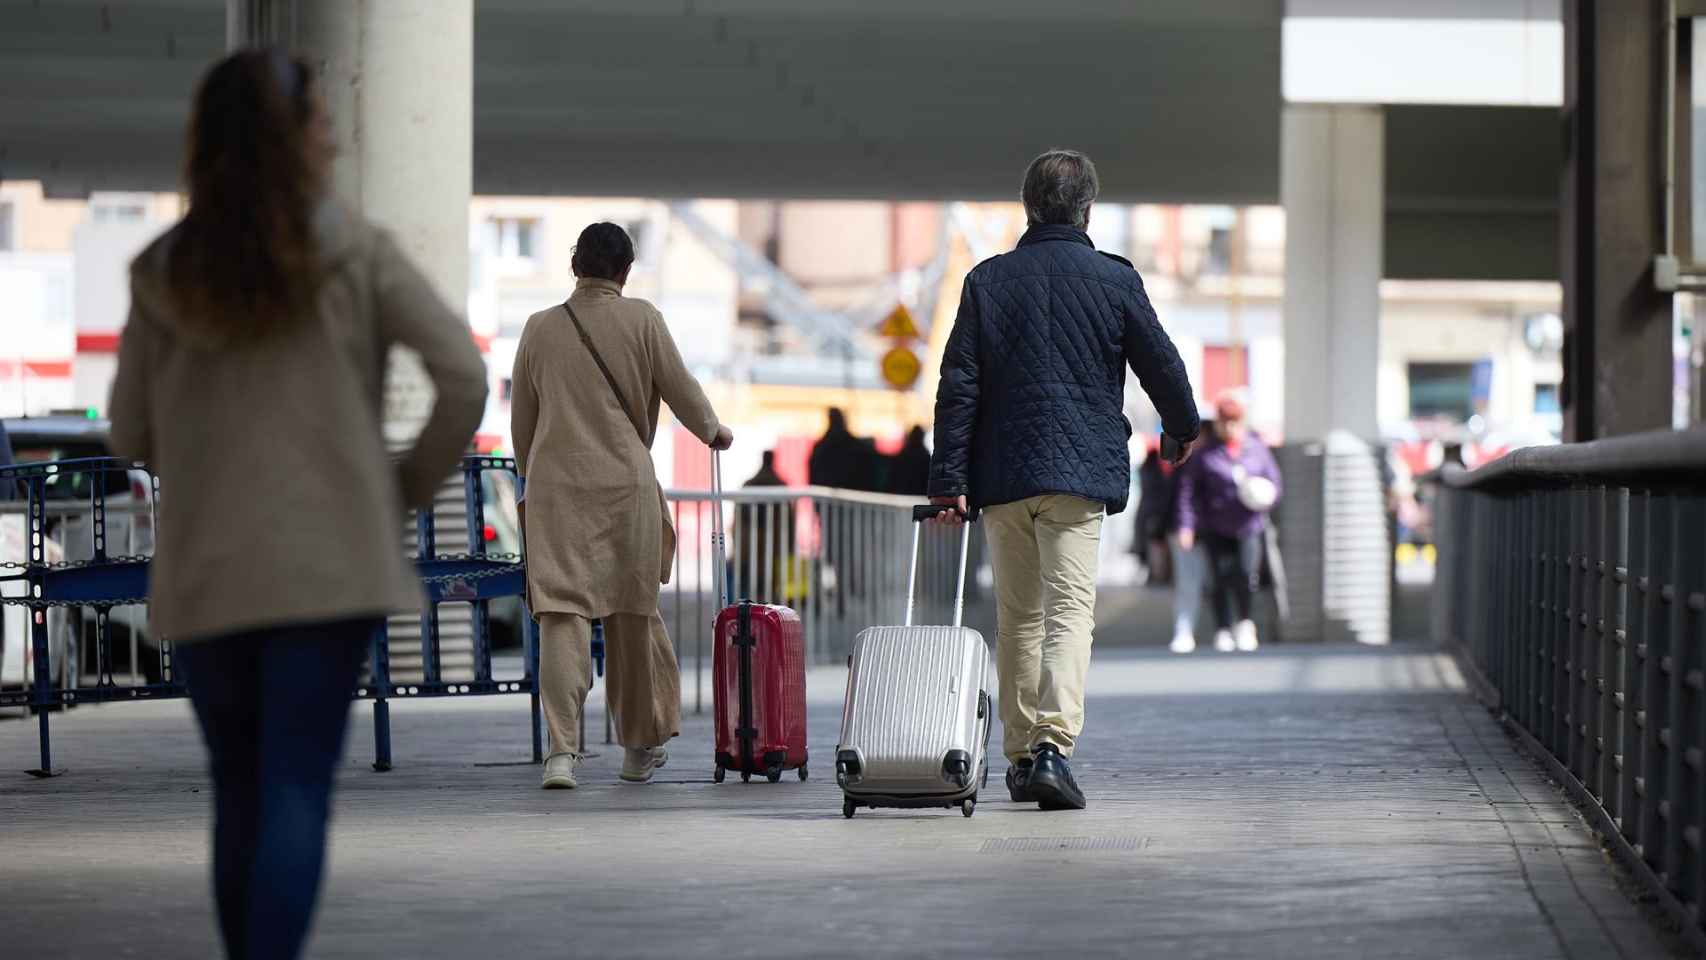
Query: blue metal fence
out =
(99, 582)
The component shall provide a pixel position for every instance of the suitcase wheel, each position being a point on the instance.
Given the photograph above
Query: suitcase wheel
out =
(774, 774)
(802, 772)
(848, 807)
(717, 777)
(968, 806)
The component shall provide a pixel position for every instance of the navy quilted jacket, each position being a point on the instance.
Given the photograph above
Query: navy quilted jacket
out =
(1033, 380)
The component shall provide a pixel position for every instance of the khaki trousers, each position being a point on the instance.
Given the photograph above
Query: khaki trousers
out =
(1045, 554)
(642, 681)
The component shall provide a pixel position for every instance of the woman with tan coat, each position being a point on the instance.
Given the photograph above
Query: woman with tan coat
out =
(589, 376)
(250, 378)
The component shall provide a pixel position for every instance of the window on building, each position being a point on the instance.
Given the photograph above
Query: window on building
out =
(1442, 390)
(517, 237)
(7, 240)
(118, 208)
(1223, 368)
(120, 213)
(1219, 255)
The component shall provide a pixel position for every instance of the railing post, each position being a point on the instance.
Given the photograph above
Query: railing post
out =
(381, 676)
(426, 548)
(1670, 863)
(1622, 668)
(1688, 725)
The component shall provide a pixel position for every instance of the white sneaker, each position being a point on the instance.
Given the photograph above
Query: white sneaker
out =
(1223, 641)
(1246, 633)
(1183, 643)
(639, 763)
(559, 772)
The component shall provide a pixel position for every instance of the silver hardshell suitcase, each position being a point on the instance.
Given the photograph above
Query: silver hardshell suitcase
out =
(915, 724)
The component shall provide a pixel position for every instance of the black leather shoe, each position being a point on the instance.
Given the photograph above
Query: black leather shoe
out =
(1019, 781)
(1051, 783)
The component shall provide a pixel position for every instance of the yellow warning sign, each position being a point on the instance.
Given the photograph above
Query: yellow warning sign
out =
(901, 368)
(898, 324)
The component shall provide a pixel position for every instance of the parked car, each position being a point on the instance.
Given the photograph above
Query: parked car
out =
(17, 663)
(130, 501)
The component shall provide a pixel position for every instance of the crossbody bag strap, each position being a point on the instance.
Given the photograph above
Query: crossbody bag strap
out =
(609, 378)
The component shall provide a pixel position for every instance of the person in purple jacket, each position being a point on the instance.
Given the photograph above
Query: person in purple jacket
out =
(1225, 494)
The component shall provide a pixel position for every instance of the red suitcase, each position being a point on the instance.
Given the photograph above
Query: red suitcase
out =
(758, 673)
(758, 678)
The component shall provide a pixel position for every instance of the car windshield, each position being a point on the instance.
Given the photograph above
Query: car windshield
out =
(71, 485)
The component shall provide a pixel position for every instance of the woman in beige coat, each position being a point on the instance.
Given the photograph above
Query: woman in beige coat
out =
(249, 378)
(589, 376)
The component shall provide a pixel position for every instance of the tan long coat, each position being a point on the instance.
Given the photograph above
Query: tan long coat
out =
(279, 503)
(599, 539)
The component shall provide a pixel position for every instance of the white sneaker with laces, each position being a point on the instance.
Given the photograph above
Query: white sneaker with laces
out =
(1246, 636)
(639, 763)
(1223, 641)
(1183, 643)
(559, 772)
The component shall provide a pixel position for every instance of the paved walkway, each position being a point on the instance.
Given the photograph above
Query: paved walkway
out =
(1300, 802)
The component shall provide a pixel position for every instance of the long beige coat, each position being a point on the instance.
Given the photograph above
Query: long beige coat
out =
(278, 501)
(599, 539)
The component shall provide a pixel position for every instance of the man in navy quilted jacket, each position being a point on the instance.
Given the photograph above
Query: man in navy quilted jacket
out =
(1030, 430)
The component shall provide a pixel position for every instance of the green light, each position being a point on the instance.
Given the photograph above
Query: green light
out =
(92, 413)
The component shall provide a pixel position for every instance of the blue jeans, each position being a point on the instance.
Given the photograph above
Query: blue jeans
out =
(1187, 586)
(273, 706)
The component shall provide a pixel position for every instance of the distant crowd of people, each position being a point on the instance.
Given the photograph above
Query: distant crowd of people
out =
(846, 462)
(1219, 500)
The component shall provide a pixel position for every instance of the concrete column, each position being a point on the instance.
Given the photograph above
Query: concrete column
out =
(398, 77)
(1332, 172)
(1333, 531)
(1618, 364)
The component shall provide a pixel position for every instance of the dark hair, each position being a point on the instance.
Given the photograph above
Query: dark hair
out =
(1060, 186)
(604, 250)
(243, 260)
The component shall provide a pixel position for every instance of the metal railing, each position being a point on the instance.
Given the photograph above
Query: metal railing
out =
(66, 664)
(839, 557)
(1572, 581)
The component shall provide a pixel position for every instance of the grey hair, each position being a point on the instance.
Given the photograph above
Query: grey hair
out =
(1060, 186)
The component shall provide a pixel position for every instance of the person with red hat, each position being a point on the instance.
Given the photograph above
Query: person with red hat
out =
(1225, 494)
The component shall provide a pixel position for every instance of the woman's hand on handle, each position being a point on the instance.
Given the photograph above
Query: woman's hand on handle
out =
(724, 439)
(1187, 538)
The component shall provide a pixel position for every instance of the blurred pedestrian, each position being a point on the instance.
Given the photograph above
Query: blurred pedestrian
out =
(760, 551)
(1224, 499)
(1156, 491)
(1029, 429)
(589, 377)
(250, 378)
(841, 461)
(1158, 530)
(909, 470)
(837, 459)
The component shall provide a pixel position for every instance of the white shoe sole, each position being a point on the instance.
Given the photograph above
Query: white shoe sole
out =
(1182, 648)
(645, 776)
(558, 783)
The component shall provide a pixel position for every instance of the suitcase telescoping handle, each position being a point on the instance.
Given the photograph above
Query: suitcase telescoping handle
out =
(930, 511)
(719, 549)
